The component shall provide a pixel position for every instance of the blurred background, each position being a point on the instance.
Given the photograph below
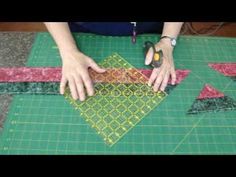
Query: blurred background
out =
(225, 29)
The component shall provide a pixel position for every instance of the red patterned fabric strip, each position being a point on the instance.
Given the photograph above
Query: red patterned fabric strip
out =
(209, 92)
(50, 74)
(227, 69)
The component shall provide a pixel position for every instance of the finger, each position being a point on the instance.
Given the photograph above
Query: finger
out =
(88, 84)
(153, 76)
(96, 68)
(158, 81)
(173, 76)
(73, 88)
(80, 88)
(149, 55)
(165, 81)
(63, 85)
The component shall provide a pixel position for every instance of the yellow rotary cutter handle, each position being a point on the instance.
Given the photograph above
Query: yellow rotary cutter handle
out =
(157, 56)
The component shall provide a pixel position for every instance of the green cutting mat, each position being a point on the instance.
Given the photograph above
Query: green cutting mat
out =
(50, 125)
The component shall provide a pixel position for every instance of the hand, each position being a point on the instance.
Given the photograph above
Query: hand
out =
(75, 72)
(160, 76)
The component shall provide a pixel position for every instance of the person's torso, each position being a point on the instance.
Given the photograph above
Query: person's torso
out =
(117, 28)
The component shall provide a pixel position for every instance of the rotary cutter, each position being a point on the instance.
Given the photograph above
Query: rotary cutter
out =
(157, 57)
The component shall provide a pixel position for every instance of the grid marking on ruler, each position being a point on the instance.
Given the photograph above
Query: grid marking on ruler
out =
(117, 108)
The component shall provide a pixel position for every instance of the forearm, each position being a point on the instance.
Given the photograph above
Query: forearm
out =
(62, 36)
(172, 29)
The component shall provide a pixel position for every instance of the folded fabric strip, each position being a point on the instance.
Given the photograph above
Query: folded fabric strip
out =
(52, 88)
(50, 74)
(25, 74)
(34, 88)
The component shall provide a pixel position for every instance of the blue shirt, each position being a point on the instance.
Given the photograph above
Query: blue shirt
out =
(116, 28)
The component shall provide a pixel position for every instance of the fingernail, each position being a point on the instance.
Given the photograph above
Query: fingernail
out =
(82, 99)
(90, 94)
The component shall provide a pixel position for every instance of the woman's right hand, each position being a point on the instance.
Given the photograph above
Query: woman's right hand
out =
(75, 73)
